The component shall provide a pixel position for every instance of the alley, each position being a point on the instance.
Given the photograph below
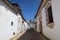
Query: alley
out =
(31, 34)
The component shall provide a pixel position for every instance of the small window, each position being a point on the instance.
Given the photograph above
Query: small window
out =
(13, 33)
(22, 22)
(11, 23)
(49, 16)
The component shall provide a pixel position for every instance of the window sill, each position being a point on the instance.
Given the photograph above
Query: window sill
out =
(51, 25)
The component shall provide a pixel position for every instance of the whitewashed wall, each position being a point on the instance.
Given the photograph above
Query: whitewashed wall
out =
(54, 33)
(6, 17)
(19, 23)
(22, 26)
(37, 20)
(26, 25)
(38, 28)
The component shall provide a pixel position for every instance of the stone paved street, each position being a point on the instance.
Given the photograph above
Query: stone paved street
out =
(31, 35)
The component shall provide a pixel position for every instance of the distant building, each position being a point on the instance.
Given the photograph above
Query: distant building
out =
(31, 24)
(48, 14)
(11, 20)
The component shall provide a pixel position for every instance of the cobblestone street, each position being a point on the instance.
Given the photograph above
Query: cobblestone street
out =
(31, 34)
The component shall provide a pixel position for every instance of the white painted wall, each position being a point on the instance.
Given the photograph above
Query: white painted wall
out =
(26, 26)
(32, 25)
(37, 20)
(19, 23)
(6, 17)
(23, 26)
(38, 27)
(54, 33)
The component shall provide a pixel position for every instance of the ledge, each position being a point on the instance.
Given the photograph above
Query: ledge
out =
(51, 25)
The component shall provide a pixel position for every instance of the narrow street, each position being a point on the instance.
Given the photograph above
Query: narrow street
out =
(31, 34)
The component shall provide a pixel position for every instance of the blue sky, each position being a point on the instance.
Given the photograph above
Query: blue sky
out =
(28, 7)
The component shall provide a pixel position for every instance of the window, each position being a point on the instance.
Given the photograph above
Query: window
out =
(11, 23)
(49, 15)
(13, 33)
(22, 21)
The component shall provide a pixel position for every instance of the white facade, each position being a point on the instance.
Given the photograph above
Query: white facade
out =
(19, 23)
(7, 16)
(37, 27)
(26, 25)
(10, 23)
(52, 33)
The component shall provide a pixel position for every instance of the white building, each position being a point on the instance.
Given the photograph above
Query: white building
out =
(10, 20)
(36, 20)
(49, 11)
(31, 24)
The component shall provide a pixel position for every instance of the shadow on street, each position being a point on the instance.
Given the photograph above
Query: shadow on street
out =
(31, 34)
